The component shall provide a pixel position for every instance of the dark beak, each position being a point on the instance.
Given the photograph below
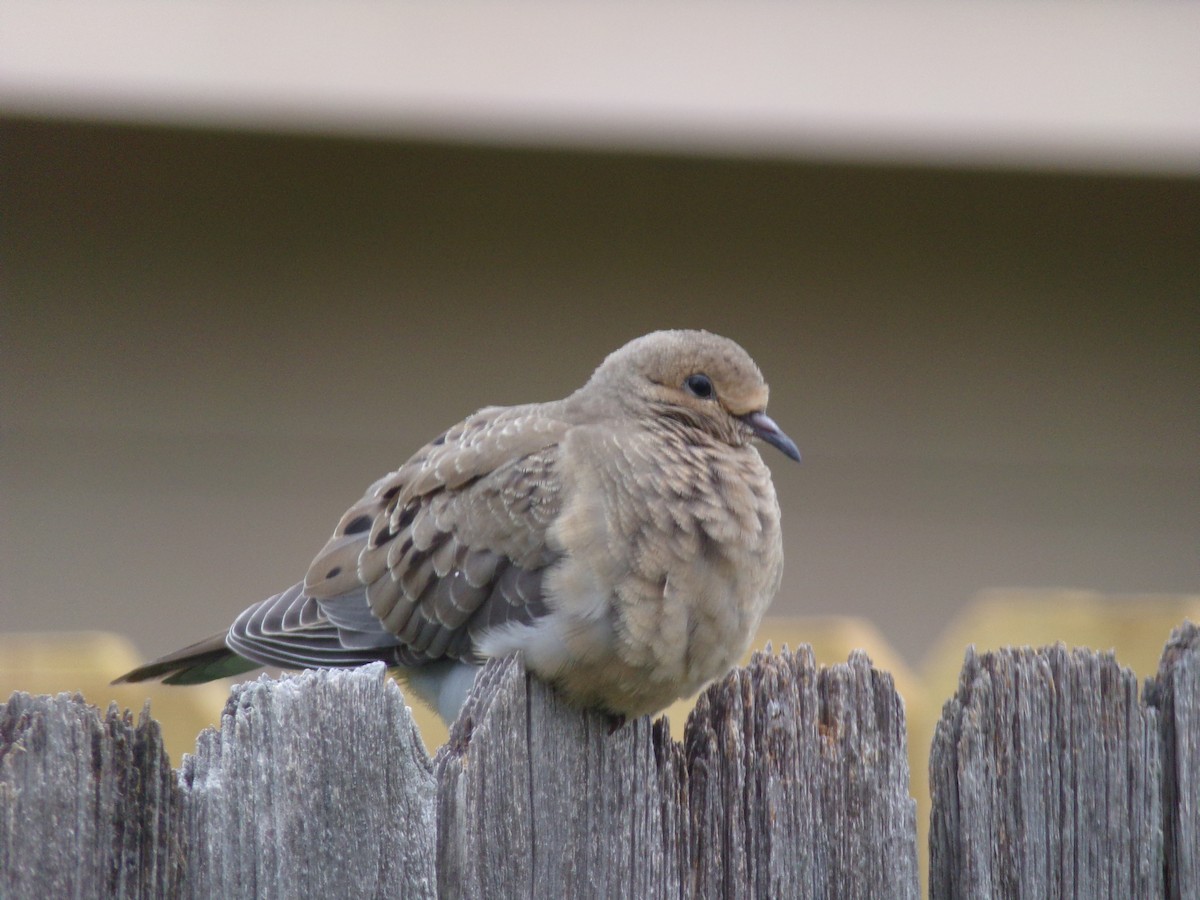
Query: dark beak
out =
(765, 428)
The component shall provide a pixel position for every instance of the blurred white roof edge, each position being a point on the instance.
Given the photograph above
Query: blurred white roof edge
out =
(1075, 85)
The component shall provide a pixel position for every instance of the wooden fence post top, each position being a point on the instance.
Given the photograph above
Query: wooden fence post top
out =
(791, 781)
(1050, 776)
(1175, 693)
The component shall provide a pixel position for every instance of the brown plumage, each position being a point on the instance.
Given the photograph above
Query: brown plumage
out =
(624, 540)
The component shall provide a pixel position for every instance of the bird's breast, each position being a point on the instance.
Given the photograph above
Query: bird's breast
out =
(670, 556)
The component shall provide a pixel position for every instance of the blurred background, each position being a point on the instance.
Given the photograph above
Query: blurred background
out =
(253, 257)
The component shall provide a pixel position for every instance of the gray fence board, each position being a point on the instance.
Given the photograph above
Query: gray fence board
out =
(88, 802)
(1046, 781)
(799, 783)
(791, 782)
(317, 785)
(539, 800)
(1175, 693)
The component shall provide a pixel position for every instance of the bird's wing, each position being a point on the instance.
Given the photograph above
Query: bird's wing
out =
(292, 631)
(450, 544)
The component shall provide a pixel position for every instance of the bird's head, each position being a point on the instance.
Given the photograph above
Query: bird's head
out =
(694, 379)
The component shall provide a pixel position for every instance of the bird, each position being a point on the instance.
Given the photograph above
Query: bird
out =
(624, 542)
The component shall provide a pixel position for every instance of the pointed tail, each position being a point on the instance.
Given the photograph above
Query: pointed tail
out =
(206, 660)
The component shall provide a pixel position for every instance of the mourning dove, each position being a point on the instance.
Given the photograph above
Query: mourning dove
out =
(624, 541)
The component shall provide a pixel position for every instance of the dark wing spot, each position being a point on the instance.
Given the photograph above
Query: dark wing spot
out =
(358, 525)
(334, 572)
(439, 440)
(406, 517)
(416, 558)
(392, 491)
(384, 535)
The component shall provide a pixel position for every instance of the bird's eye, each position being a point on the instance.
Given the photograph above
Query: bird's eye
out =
(699, 386)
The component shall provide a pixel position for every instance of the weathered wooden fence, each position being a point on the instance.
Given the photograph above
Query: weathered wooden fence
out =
(1050, 778)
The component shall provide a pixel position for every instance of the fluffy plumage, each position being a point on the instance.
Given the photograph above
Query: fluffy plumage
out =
(624, 540)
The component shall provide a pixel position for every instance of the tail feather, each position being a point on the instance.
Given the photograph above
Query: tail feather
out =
(206, 660)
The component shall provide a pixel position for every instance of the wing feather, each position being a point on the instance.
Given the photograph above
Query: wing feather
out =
(434, 554)
(284, 631)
